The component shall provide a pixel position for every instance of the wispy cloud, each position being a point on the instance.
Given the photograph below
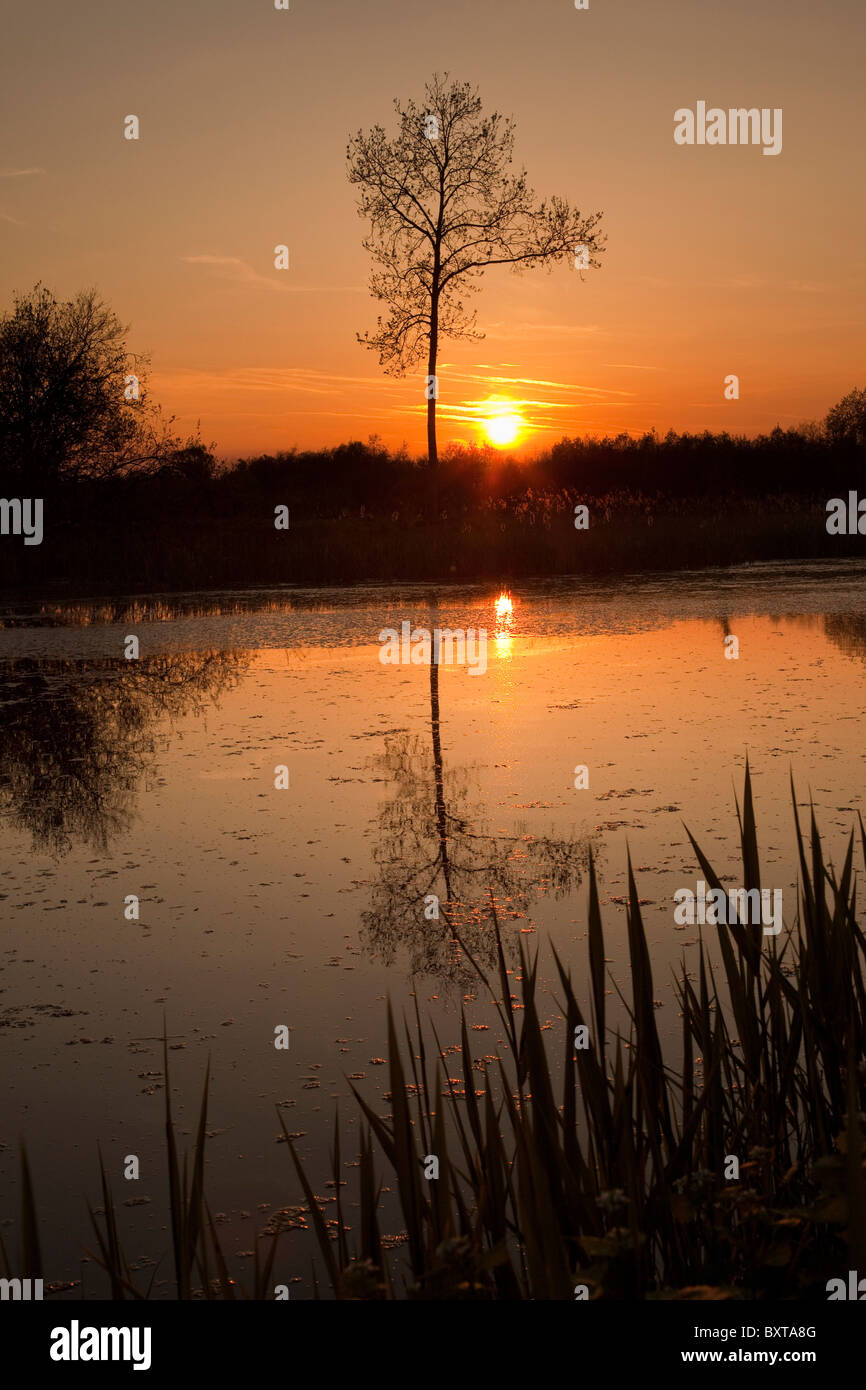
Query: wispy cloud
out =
(759, 282)
(267, 392)
(564, 400)
(568, 387)
(233, 269)
(531, 329)
(633, 366)
(236, 271)
(812, 286)
(19, 173)
(271, 379)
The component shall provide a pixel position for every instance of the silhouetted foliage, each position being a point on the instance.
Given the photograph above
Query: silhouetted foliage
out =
(444, 205)
(128, 503)
(73, 401)
(846, 422)
(433, 838)
(77, 737)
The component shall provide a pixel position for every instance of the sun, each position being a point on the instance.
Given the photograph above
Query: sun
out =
(502, 430)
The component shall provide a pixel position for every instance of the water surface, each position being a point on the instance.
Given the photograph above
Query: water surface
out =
(309, 906)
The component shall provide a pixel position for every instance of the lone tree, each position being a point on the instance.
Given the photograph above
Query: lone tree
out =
(73, 401)
(846, 422)
(444, 204)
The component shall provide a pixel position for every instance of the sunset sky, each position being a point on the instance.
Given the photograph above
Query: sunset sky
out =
(719, 260)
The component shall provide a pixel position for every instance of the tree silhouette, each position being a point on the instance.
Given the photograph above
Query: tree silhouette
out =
(432, 839)
(73, 400)
(444, 204)
(846, 422)
(77, 737)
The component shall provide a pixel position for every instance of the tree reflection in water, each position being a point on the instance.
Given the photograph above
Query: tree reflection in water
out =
(848, 631)
(77, 737)
(430, 840)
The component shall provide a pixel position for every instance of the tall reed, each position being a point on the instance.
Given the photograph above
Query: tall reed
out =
(606, 1174)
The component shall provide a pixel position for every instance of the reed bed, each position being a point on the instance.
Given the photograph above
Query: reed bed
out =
(604, 1172)
(528, 537)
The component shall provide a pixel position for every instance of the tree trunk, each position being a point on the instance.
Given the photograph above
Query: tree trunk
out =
(432, 453)
(439, 776)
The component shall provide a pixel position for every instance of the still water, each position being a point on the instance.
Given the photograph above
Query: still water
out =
(310, 905)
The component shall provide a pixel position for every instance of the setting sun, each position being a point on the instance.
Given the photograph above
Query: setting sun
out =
(502, 430)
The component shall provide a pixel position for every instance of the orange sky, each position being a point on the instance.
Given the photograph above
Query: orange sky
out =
(719, 260)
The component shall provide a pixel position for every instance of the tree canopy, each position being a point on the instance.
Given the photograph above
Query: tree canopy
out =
(846, 422)
(73, 400)
(444, 204)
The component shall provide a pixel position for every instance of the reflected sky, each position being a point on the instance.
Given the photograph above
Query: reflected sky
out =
(306, 906)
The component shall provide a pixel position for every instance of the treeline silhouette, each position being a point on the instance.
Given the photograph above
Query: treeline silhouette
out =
(368, 480)
(362, 512)
(332, 482)
(129, 505)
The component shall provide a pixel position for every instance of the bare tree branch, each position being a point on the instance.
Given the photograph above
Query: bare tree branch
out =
(444, 205)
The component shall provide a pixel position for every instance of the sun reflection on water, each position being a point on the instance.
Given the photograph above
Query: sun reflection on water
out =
(503, 634)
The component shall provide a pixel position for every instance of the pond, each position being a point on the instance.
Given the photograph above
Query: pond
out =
(260, 824)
